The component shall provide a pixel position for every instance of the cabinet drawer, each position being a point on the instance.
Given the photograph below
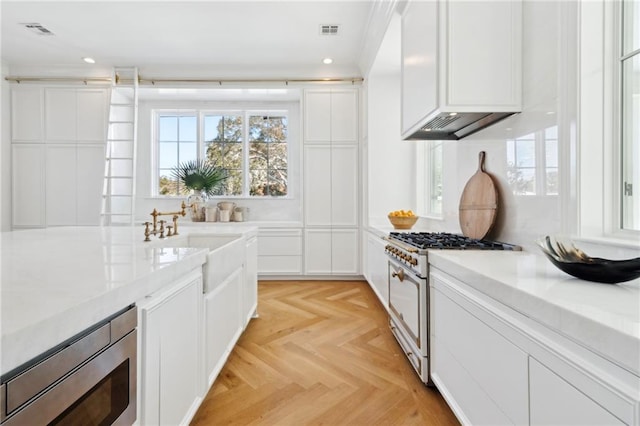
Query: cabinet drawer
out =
(279, 245)
(499, 367)
(275, 265)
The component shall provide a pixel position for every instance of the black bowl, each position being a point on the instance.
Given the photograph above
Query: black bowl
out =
(591, 268)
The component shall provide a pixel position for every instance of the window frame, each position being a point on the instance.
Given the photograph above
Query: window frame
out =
(246, 112)
(424, 185)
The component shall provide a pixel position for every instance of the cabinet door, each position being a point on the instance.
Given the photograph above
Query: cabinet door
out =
(250, 294)
(60, 115)
(344, 116)
(90, 170)
(488, 359)
(553, 401)
(419, 62)
(27, 185)
(92, 113)
(345, 255)
(317, 251)
(317, 116)
(475, 76)
(377, 268)
(222, 323)
(317, 185)
(344, 185)
(26, 114)
(61, 183)
(169, 364)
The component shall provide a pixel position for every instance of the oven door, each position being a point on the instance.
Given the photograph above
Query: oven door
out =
(408, 309)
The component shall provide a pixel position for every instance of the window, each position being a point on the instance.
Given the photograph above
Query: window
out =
(532, 163)
(429, 174)
(252, 146)
(629, 62)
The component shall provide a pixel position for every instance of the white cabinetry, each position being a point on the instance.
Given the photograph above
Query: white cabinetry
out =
(65, 131)
(222, 323)
(280, 251)
(554, 401)
(496, 366)
(250, 286)
(331, 170)
(28, 185)
(169, 359)
(376, 268)
(460, 56)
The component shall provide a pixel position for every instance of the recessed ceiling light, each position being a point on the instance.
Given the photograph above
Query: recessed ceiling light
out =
(327, 61)
(451, 114)
(89, 60)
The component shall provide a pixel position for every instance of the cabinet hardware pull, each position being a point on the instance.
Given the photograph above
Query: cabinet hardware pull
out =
(399, 274)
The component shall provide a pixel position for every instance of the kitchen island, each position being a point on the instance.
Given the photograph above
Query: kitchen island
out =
(57, 282)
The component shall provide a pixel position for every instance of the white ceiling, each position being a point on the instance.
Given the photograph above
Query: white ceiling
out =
(228, 38)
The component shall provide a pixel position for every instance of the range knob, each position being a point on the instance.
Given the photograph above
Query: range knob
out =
(414, 261)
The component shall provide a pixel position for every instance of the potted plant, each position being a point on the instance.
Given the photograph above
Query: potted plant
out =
(201, 179)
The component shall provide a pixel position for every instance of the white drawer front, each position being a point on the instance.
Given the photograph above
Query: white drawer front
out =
(495, 364)
(279, 245)
(275, 265)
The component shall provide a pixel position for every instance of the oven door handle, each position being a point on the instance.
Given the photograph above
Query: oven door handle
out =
(399, 274)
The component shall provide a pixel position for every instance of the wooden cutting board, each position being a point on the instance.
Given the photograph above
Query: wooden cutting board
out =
(479, 203)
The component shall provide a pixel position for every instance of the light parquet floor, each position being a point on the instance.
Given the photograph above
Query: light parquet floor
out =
(320, 353)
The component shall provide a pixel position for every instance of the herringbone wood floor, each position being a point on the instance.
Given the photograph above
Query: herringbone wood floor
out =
(320, 353)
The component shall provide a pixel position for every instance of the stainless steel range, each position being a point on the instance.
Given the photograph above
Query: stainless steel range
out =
(409, 287)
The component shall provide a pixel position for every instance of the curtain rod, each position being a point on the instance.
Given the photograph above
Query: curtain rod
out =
(154, 81)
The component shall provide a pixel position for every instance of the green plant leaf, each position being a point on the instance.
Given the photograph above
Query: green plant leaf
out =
(200, 175)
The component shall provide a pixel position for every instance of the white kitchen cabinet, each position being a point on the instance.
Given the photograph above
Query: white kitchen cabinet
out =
(331, 116)
(169, 358)
(28, 185)
(26, 114)
(494, 365)
(280, 252)
(75, 115)
(222, 323)
(460, 56)
(73, 183)
(331, 182)
(318, 183)
(61, 193)
(461, 341)
(250, 287)
(331, 252)
(69, 125)
(376, 269)
(89, 169)
(553, 401)
(345, 256)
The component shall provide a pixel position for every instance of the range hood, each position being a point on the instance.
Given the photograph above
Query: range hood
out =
(454, 126)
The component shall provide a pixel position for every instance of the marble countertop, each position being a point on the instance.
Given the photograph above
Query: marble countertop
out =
(56, 282)
(602, 317)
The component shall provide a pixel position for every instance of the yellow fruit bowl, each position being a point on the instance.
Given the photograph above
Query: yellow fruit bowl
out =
(403, 222)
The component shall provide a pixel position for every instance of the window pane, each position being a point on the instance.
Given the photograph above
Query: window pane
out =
(233, 184)
(188, 152)
(211, 127)
(435, 202)
(258, 155)
(168, 128)
(188, 129)
(631, 143)
(525, 153)
(551, 153)
(552, 181)
(267, 129)
(167, 155)
(233, 156)
(258, 182)
(278, 155)
(166, 184)
(232, 128)
(277, 184)
(630, 26)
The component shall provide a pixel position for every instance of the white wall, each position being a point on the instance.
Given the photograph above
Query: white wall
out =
(5, 155)
(268, 209)
(390, 160)
(549, 99)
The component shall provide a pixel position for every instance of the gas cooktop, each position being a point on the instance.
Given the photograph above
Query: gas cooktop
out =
(444, 240)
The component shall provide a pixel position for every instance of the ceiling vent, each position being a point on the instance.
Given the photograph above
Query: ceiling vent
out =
(38, 29)
(331, 29)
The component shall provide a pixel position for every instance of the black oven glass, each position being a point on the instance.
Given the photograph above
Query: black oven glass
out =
(103, 404)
